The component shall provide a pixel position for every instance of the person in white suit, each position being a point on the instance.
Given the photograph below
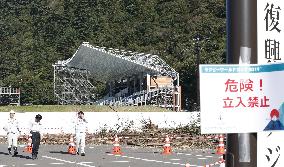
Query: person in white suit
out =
(80, 131)
(13, 132)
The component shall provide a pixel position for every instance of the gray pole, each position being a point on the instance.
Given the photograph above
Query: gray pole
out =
(241, 49)
(197, 70)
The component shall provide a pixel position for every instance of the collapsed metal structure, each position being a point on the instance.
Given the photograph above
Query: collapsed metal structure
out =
(72, 86)
(10, 96)
(132, 78)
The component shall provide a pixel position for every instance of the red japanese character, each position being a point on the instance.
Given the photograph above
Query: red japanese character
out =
(253, 102)
(228, 103)
(263, 102)
(240, 102)
(246, 85)
(231, 85)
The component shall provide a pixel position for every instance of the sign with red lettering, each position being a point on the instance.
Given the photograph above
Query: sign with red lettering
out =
(241, 98)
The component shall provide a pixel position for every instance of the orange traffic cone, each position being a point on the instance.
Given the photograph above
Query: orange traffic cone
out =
(71, 146)
(187, 165)
(29, 147)
(221, 146)
(116, 147)
(167, 146)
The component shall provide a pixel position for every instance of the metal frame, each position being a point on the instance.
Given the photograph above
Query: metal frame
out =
(66, 92)
(10, 96)
(72, 86)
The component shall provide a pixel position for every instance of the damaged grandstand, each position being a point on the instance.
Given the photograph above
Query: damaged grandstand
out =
(10, 96)
(132, 78)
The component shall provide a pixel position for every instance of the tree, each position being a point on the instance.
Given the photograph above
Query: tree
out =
(36, 34)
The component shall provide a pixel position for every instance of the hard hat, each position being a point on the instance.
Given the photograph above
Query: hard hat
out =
(12, 112)
(38, 116)
(81, 112)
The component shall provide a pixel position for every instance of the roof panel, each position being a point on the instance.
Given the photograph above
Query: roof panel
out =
(104, 66)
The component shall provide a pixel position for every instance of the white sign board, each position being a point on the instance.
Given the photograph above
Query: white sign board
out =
(270, 149)
(270, 31)
(241, 98)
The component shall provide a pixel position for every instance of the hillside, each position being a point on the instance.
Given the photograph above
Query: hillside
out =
(35, 34)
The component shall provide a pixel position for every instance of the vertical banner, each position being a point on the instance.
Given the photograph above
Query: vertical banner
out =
(270, 20)
(270, 31)
(271, 150)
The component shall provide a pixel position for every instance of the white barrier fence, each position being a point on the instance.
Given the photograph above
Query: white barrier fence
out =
(62, 122)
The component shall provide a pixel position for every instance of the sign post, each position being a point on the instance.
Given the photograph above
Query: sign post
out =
(241, 33)
(252, 94)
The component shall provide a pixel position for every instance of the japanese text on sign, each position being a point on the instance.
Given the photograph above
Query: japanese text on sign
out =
(272, 17)
(243, 85)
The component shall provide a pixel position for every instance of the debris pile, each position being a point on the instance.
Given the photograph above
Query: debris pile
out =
(184, 137)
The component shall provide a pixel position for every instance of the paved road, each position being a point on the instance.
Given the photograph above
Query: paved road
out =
(100, 156)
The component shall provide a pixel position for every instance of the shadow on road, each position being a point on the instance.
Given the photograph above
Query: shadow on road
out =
(3, 153)
(58, 152)
(22, 156)
(19, 156)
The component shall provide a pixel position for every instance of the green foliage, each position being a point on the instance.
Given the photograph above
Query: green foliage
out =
(35, 34)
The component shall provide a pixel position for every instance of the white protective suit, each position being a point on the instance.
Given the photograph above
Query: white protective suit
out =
(80, 131)
(13, 132)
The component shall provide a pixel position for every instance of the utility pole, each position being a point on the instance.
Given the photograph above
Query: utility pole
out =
(241, 49)
(197, 51)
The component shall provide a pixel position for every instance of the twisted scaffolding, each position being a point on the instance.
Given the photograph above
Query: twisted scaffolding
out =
(72, 86)
(72, 78)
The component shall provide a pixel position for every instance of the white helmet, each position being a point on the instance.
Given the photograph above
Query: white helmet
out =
(12, 112)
